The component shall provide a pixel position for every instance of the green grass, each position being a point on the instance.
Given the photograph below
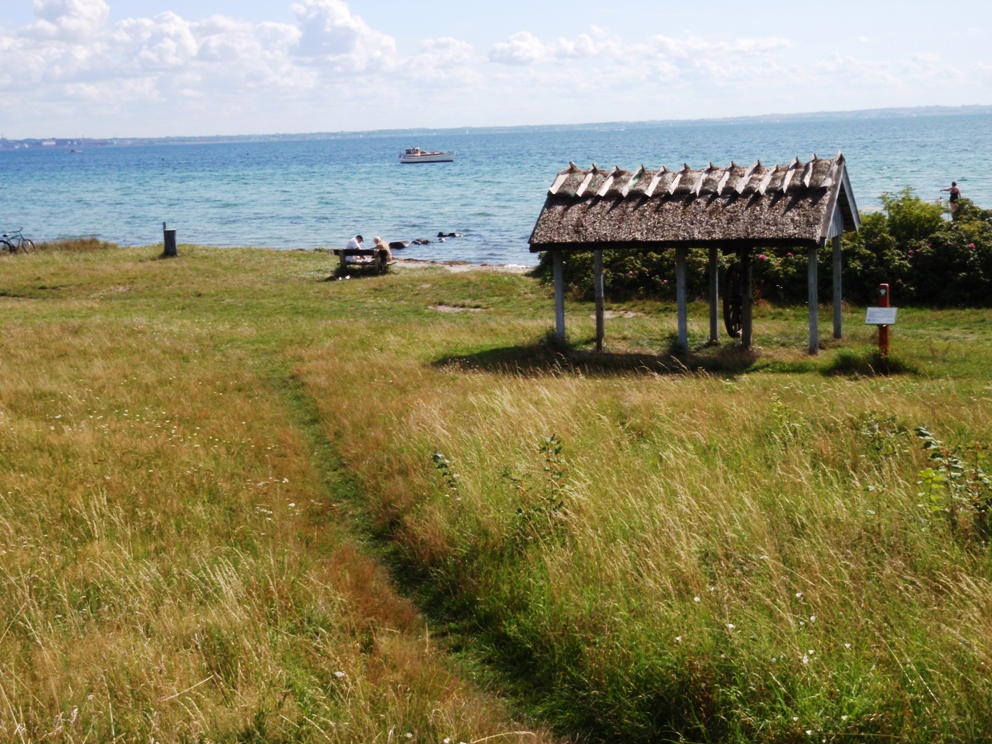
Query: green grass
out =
(633, 545)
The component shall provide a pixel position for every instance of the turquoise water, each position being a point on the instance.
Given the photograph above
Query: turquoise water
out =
(307, 194)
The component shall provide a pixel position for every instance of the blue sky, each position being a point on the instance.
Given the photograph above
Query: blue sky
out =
(181, 67)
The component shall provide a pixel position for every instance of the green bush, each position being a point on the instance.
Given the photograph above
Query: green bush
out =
(926, 260)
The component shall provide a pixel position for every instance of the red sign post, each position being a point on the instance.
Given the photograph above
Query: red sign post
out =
(884, 300)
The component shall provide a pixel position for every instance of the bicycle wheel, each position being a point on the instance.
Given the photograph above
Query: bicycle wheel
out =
(6, 245)
(27, 245)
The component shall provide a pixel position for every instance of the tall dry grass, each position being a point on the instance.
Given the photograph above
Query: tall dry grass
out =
(739, 558)
(173, 559)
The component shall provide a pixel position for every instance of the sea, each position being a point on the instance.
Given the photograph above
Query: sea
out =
(319, 192)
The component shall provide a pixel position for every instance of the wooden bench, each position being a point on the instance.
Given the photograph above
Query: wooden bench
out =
(374, 258)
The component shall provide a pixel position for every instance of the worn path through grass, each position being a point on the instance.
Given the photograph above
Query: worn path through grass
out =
(640, 547)
(175, 566)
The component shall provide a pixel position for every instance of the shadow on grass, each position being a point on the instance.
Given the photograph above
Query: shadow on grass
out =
(546, 356)
(356, 271)
(868, 363)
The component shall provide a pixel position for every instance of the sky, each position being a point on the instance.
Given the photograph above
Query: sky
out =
(149, 68)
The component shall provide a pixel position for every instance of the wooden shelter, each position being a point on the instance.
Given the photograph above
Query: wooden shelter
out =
(733, 209)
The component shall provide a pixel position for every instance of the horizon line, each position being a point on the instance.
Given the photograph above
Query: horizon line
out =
(888, 112)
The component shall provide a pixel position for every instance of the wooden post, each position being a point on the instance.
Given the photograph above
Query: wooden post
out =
(559, 296)
(169, 241)
(680, 297)
(814, 303)
(747, 302)
(884, 300)
(838, 298)
(714, 295)
(344, 263)
(597, 256)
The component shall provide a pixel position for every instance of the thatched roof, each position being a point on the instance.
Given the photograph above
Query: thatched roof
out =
(800, 204)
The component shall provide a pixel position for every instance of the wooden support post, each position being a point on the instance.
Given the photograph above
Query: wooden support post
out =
(598, 281)
(169, 242)
(747, 302)
(838, 294)
(714, 295)
(559, 264)
(814, 303)
(680, 297)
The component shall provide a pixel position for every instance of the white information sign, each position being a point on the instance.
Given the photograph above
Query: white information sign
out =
(881, 316)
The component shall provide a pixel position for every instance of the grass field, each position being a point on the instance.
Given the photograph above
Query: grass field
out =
(241, 503)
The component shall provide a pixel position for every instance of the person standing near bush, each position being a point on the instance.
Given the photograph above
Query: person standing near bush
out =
(954, 193)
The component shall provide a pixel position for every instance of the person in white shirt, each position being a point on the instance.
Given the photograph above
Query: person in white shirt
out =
(355, 243)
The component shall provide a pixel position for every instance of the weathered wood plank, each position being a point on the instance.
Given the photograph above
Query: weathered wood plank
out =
(838, 289)
(814, 303)
(747, 302)
(598, 281)
(714, 294)
(680, 296)
(559, 267)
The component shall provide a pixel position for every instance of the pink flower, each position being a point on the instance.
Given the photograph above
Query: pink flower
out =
(971, 245)
(762, 257)
(789, 255)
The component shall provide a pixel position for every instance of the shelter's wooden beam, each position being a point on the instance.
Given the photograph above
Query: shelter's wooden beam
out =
(681, 297)
(598, 282)
(763, 186)
(723, 180)
(742, 184)
(714, 294)
(838, 298)
(655, 180)
(632, 181)
(747, 302)
(559, 267)
(703, 175)
(808, 173)
(814, 302)
(662, 245)
(793, 167)
(585, 183)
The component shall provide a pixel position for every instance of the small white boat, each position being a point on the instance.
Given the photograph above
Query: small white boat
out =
(416, 155)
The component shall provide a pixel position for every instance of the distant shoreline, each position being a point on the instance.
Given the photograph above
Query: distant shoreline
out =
(881, 113)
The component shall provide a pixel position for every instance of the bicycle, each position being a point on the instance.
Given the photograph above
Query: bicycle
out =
(14, 242)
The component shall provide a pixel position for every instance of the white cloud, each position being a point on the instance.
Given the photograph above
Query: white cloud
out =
(328, 68)
(71, 20)
(332, 34)
(443, 59)
(520, 49)
(524, 48)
